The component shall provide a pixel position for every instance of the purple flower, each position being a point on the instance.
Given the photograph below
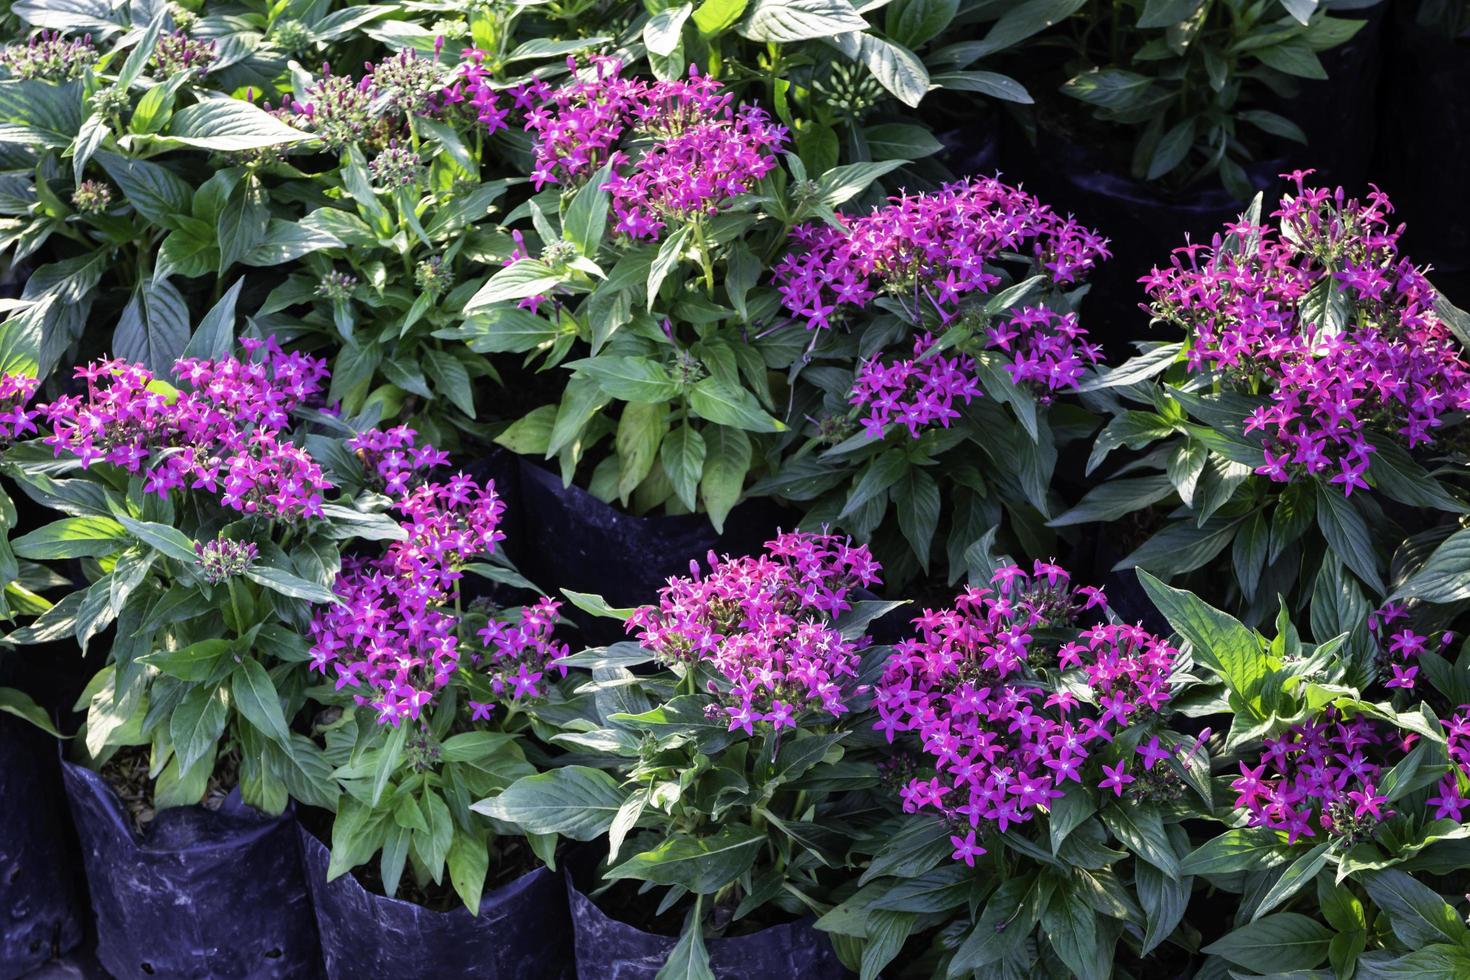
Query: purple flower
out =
(16, 420)
(225, 432)
(930, 251)
(1329, 321)
(916, 392)
(764, 625)
(49, 56)
(978, 688)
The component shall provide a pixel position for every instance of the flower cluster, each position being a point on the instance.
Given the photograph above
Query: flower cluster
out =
(225, 432)
(337, 110)
(177, 52)
(1400, 650)
(473, 87)
(702, 150)
(1329, 321)
(518, 656)
(981, 688)
(391, 638)
(49, 56)
(1319, 775)
(1452, 800)
(395, 166)
(394, 456)
(224, 558)
(406, 83)
(16, 419)
(916, 392)
(930, 251)
(92, 197)
(765, 625)
(1049, 350)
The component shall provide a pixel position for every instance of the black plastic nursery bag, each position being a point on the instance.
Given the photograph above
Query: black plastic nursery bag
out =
(520, 933)
(611, 950)
(567, 538)
(202, 894)
(38, 899)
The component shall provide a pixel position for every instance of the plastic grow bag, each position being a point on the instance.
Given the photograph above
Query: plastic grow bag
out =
(520, 933)
(39, 907)
(202, 894)
(567, 538)
(611, 950)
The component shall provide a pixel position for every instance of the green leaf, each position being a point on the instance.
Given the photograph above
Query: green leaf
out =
(1418, 914)
(256, 698)
(1445, 575)
(882, 473)
(895, 67)
(1243, 849)
(575, 801)
(715, 401)
(689, 960)
(596, 605)
(1276, 944)
(521, 280)
(663, 263)
(661, 33)
(1164, 901)
(197, 723)
(163, 539)
(1115, 498)
(289, 584)
(19, 703)
(702, 865)
(72, 537)
(1071, 927)
(154, 327)
(1219, 641)
(229, 126)
(1347, 535)
(682, 455)
(195, 662)
(215, 336)
(1141, 830)
(787, 21)
(1293, 57)
(632, 379)
(727, 460)
(156, 193)
(1299, 873)
(716, 16)
(1172, 148)
(586, 216)
(468, 861)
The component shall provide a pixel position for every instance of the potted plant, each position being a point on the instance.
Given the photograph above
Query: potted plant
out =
(428, 688)
(718, 778)
(941, 326)
(181, 500)
(1298, 419)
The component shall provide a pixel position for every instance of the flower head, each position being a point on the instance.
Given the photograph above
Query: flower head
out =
(49, 56)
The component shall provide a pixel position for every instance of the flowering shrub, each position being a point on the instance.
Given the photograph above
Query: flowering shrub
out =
(919, 342)
(1317, 374)
(729, 748)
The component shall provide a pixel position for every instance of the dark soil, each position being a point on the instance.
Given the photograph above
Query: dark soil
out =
(127, 773)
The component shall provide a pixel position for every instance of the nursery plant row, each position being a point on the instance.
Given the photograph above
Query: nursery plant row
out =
(740, 489)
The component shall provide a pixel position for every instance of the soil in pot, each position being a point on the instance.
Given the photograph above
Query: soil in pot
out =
(40, 908)
(519, 934)
(197, 892)
(611, 948)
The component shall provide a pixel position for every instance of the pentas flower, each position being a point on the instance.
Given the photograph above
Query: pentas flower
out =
(1048, 350)
(473, 88)
(336, 110)
(680, 147)
(1322, 775)
(49, 56)
(406, 83)
(520, 658)
(1329, 321)
(1451, 800)
(916, 392)
(930, 251)
(224, 558)
(764, 625)
(177, 52)
(393, 638)
(998, 736)
(224, 432)
(16, 420)
(1399, 646)
(394, 456)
